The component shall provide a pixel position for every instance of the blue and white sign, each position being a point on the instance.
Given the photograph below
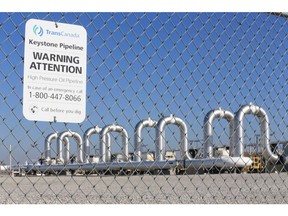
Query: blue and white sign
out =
(54, 86)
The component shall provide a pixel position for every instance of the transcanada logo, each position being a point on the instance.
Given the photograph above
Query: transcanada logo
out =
(38, 30)
(62, 34)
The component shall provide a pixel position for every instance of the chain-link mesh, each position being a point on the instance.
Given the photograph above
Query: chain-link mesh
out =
(199, 98)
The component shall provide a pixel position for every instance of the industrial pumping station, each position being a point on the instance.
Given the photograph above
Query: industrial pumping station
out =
(230, 158)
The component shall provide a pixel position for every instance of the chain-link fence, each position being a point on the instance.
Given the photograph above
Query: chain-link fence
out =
(180, 108)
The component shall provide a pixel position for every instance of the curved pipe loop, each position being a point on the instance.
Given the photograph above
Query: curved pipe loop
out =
(47, 145)
(105, 144)
(160, 137)
(138, 136)
(88, 133)
(264, 131)
(66, 157)
(208, 129)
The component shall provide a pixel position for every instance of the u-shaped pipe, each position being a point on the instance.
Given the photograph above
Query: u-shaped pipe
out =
(79, 141)
(208, 129)
(160, 137)
(88, 133)
(47, 146)
(105, 151)
(264, 131)
(138, 136)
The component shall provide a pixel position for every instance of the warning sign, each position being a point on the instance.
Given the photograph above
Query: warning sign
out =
(54, 72)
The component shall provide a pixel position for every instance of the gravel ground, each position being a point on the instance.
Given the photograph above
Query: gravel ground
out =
(188, 189)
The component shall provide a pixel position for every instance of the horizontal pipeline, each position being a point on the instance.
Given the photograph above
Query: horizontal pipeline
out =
(222, 162)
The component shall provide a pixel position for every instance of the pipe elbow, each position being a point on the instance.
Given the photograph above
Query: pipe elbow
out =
(51, 136)
(92, 130)
(269, 156)
(64, 134)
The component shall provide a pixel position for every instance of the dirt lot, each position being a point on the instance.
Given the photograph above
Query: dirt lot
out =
(224, 188)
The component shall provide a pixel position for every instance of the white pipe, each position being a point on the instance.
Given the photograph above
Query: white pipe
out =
(47, 145)
(87, 135)
(264, 129)
(79, 141)
(138, 136)
(160, 137)
(208, 129)
(221, 162)
(143, 165)
(105, 145)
